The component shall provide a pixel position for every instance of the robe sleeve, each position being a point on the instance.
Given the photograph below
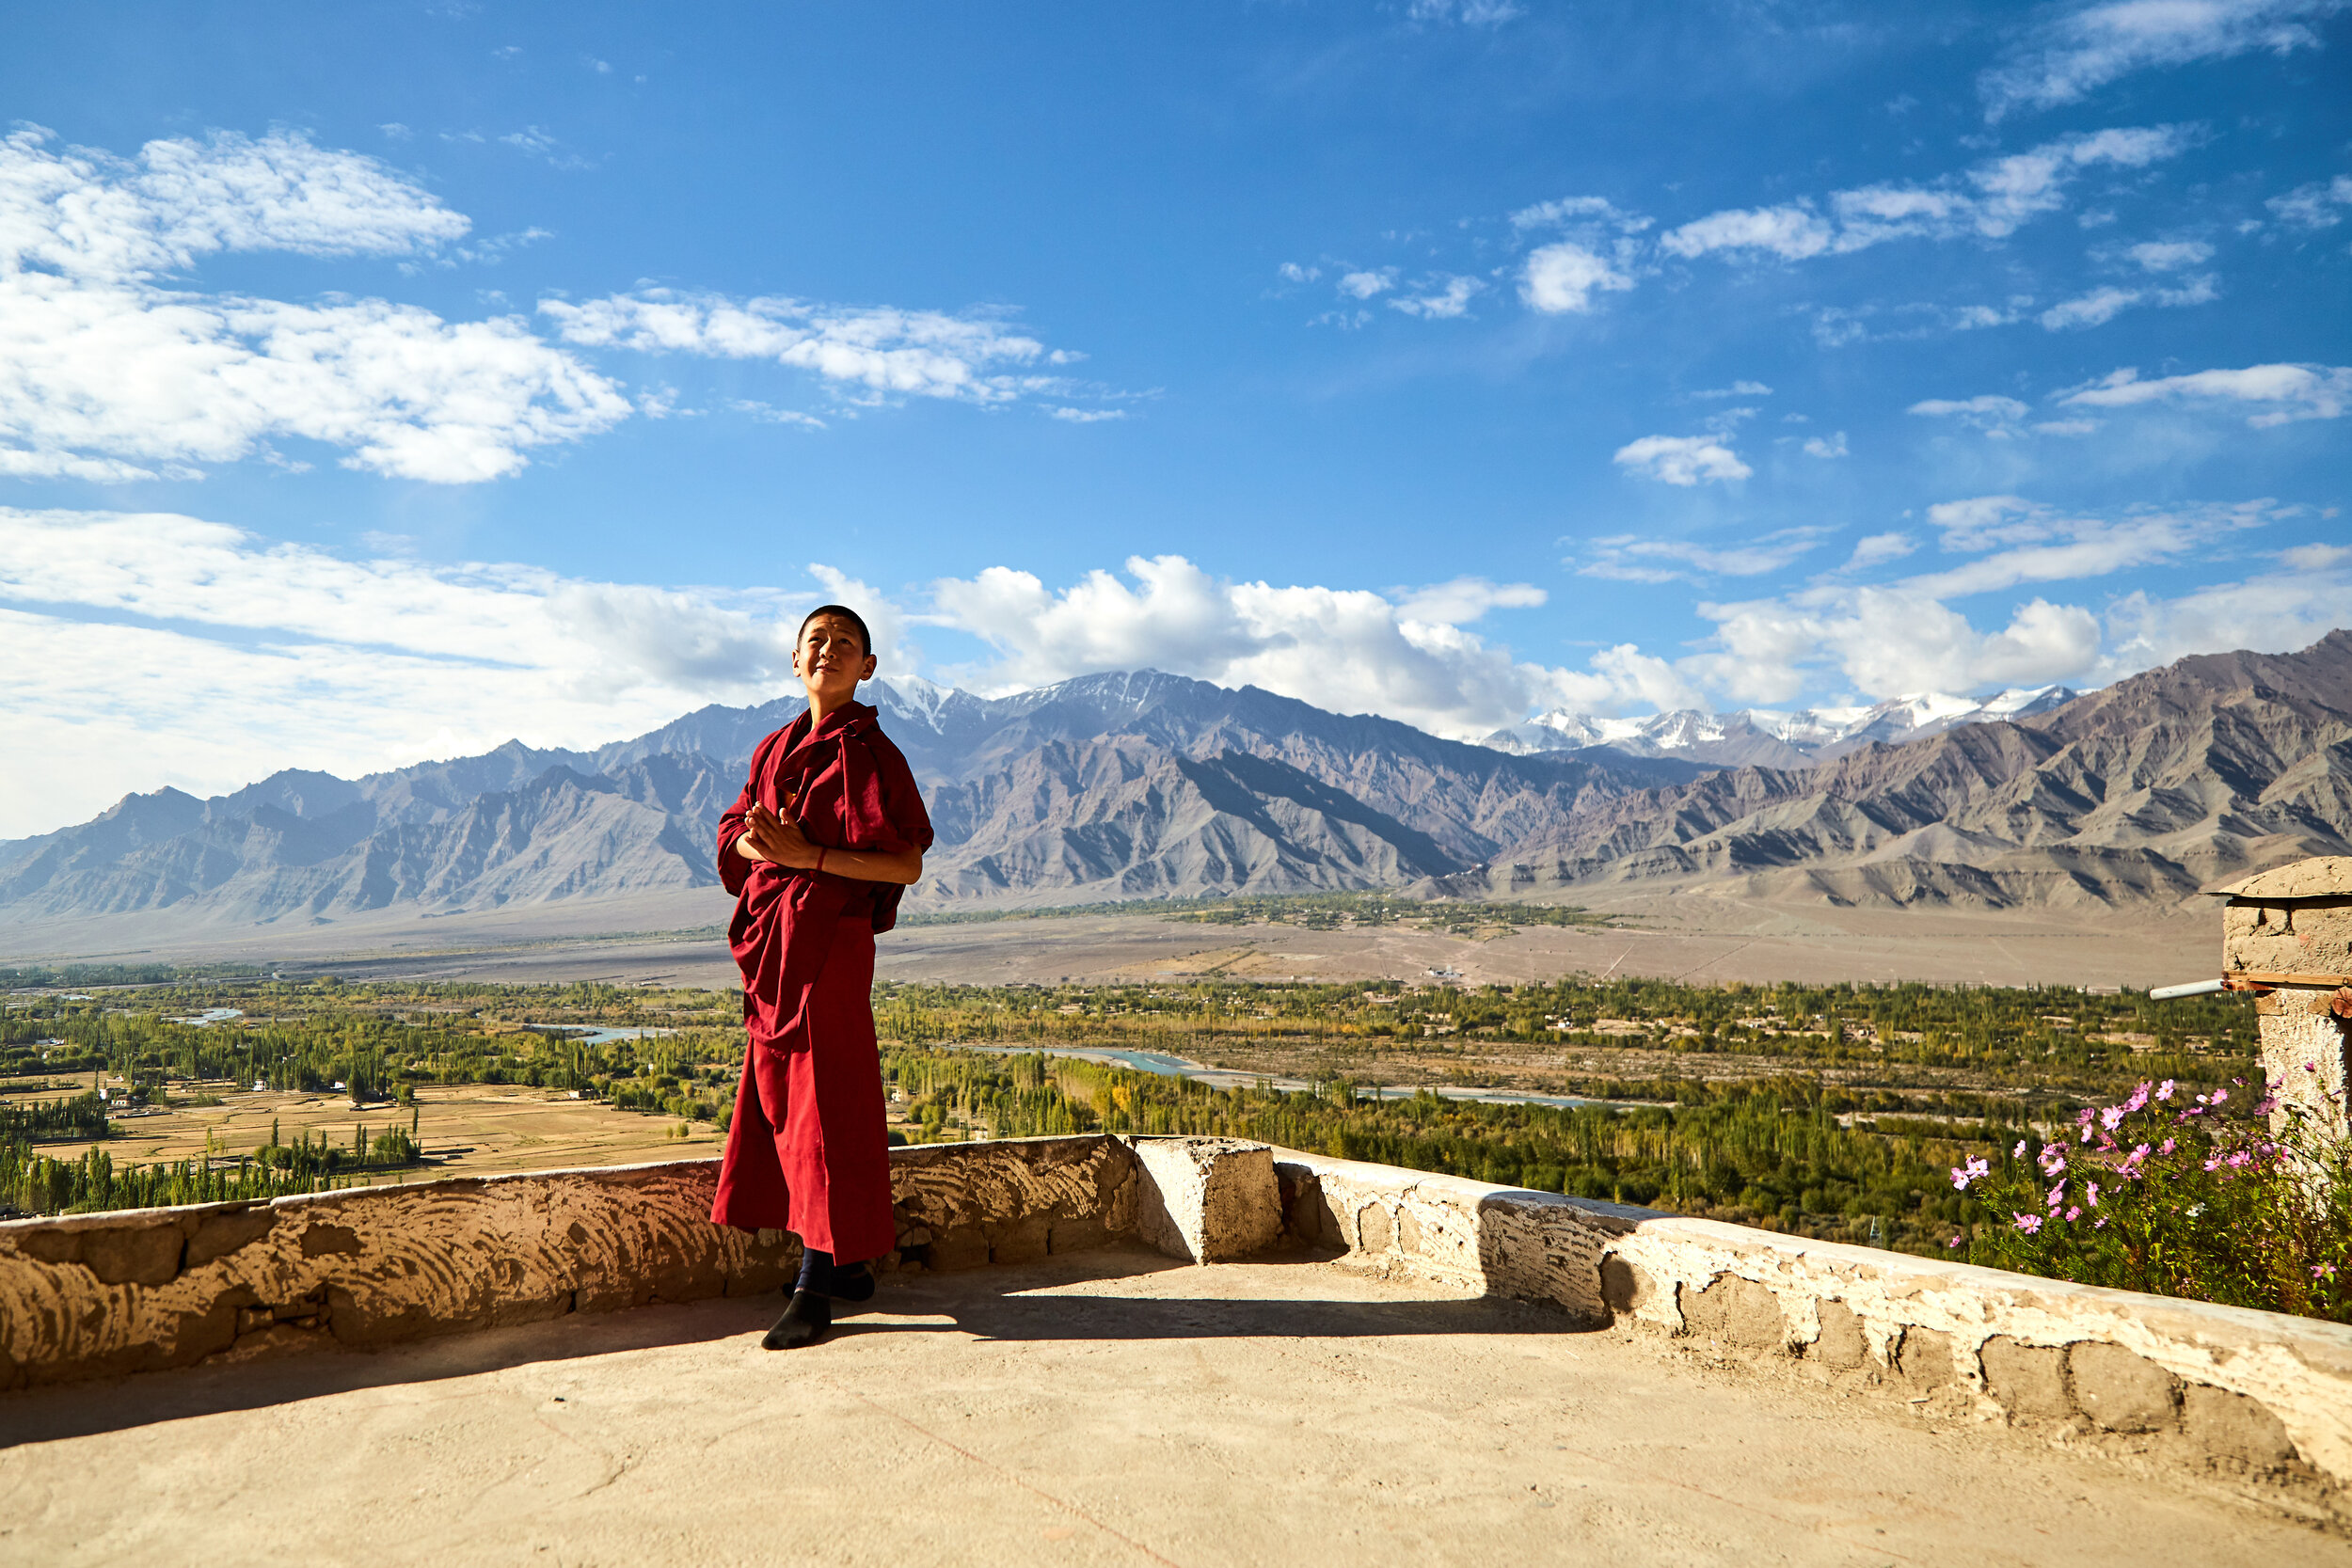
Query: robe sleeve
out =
(734, 869)
(905, 825)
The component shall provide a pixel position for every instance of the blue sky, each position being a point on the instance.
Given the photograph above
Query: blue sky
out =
(380, 381)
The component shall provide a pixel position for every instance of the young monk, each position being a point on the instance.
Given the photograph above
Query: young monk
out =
(828, 834)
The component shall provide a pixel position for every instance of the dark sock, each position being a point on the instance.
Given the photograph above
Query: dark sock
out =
(854, 1283)
(804, 1322)
(815, 1271)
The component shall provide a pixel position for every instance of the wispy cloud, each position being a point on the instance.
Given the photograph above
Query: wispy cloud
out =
(1684, 460)
(868, 353)
(1991, 201)
(1439, 298)
(1467, 14)
(2317, 205)
(2104, 304)
(2292, 392)
(2089, 46)
(1632, 557)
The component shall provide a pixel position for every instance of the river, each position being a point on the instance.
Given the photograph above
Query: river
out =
(1226, 1078)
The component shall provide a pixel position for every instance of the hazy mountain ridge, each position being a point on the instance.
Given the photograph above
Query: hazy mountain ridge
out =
(1143, 785)
(2146, 790)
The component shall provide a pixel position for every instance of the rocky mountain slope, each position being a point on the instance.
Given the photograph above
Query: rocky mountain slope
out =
(2143, 791)
(1108, 787)
(1144, 785)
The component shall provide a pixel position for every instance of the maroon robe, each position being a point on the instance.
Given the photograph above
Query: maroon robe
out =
(806, 1151)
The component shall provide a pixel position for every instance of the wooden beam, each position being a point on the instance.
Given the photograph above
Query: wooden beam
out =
(2281, 978)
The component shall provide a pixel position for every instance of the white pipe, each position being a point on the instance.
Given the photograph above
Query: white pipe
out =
(2195, 987)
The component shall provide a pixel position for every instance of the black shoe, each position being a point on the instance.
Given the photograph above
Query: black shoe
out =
(854, 1283)
(804, 1322)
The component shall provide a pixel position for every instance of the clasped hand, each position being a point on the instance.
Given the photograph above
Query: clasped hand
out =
(776, 839)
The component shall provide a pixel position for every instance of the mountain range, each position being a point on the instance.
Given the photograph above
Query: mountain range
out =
(1764, 738)
(1143, 785)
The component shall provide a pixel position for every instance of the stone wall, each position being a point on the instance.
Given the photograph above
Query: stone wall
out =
(93, 1295)
(2261, 1402)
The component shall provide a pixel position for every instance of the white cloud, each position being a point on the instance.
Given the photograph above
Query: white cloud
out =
(2296, 391)
(1888, 642)
(1830, 446)
(1563, 277)
(2045, 546)
(1989, 412)
(1982, 522)
(1363, 285)
(2313, 206)
(1877, 549)
(2171, 255)
(1902, 638)
(2273, 612)
(1738, 389)
(1991, 201)
(1632, 557)
(2104, 304)
(1292, 272)
(1469, 13)
(105, 373)
(175, 649)
(1464, 600)
(1085, 415)
(870, 352)
(2095, 44)
(1791, 232)
(1351, 651)
(1681, 459)
(1440, 300)
(1582, 211)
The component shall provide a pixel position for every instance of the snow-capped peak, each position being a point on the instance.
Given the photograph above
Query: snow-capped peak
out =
(1774, 739)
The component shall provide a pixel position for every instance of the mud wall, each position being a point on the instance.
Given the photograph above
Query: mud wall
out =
(94, 1295)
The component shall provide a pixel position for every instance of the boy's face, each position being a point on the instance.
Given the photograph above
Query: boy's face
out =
(831, 660)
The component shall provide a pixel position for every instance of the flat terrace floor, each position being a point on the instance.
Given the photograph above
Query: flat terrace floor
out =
(1107, 1408)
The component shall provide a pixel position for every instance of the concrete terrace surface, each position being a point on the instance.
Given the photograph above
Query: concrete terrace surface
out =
(1108, 1407)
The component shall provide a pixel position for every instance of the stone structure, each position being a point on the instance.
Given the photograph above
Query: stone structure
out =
(2261, 1402)
(1208, 1200)
(2290, 929)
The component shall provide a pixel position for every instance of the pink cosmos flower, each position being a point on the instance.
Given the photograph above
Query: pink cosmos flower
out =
(2074, 1214)
(2029, 1223)
(1973, 1170)
(1953, 1242)
(2220, 1095)
(2322, 1271)
(2164, 1090)
(2019, 1152)
(2166, 1146)
(2091, 1188)
(2111, 1118)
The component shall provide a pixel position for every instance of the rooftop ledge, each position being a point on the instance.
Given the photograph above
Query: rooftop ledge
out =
(1144, 1349)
